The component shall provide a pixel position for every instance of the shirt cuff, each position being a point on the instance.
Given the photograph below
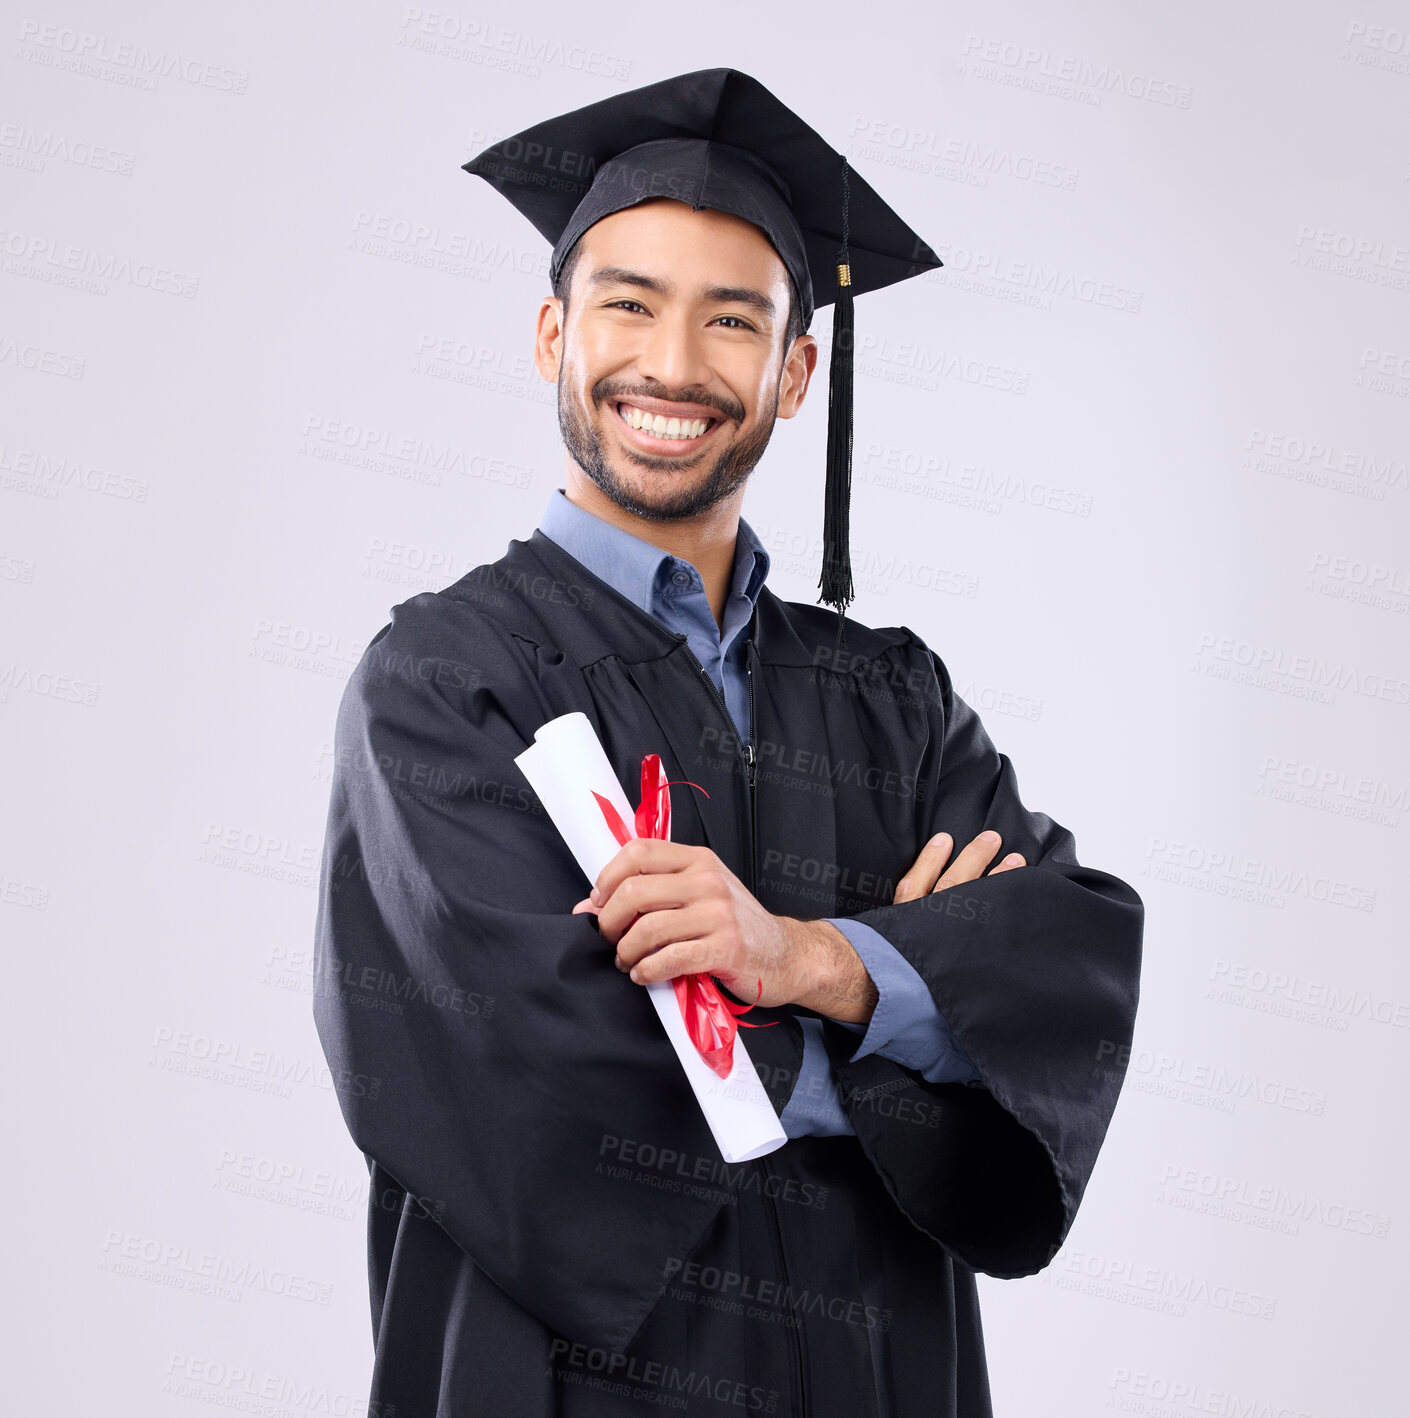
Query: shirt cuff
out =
(906, 1026)
(814, 1109)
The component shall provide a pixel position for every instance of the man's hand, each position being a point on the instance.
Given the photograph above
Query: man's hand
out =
(842, 989)
(673, 909)
(921, 880)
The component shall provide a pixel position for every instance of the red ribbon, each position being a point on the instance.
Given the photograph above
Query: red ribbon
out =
(709, 1016)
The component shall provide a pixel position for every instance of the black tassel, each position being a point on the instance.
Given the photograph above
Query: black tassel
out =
(836, 579)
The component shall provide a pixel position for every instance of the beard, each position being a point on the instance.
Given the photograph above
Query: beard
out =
(729, 471)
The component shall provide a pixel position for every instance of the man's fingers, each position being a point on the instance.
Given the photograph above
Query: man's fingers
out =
(972, 861)
(645, 894)
(1014, 859)
(923, 875)
(655, 929)
(641, 854)
(681, 957)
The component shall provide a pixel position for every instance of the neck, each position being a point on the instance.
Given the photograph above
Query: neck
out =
(706, 541)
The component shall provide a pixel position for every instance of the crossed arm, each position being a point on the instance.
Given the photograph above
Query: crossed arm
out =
(674, 909)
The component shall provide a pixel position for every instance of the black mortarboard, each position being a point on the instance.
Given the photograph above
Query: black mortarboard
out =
(718, 138)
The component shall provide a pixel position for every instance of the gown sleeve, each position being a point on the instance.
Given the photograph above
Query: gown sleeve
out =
(1036, 971)
(905, 1025)
(485, 1051)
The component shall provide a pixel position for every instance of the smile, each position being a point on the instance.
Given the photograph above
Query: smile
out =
(660, 433)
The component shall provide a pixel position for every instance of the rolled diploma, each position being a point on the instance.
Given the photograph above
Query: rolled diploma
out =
(565, 765)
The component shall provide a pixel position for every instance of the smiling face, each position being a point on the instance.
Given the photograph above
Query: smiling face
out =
(671, 368)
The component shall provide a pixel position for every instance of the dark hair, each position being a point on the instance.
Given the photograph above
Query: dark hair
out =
(564, 283)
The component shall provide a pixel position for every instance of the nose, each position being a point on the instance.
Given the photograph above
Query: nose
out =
(672, 354)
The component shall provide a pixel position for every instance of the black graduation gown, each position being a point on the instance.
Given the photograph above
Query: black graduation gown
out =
(551, 1228)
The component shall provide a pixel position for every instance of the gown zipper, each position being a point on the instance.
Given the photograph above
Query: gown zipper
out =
(800, 1388)
(746, 749)
(800, 1385)
(753, 797)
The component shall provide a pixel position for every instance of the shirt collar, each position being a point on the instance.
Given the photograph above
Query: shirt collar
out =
(634, 567)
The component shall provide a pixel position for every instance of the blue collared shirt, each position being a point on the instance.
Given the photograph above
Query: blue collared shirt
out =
(906, 1025)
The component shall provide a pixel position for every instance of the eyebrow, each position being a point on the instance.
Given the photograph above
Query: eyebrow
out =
(736, 295)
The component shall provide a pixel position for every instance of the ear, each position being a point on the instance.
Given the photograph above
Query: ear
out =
(548, 339)
(798, 368)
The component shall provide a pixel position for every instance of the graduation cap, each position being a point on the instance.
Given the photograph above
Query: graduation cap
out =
(718, 138)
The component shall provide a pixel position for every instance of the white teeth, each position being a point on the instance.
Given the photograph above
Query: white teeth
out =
(661, 426)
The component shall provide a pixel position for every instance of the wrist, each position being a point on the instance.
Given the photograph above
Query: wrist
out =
(833, 981)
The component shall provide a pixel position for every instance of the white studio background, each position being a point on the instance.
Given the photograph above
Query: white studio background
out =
(1134, 462)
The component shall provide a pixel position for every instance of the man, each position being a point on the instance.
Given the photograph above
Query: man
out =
(552, 1230)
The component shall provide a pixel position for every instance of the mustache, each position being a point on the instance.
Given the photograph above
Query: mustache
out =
(604, 392)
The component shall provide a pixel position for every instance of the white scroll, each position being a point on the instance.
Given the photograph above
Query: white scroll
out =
(565, 765)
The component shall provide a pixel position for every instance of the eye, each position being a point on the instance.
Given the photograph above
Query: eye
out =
(613, 304)
(738, 323)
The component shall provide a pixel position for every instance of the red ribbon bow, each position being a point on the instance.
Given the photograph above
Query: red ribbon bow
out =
(709, 1016)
